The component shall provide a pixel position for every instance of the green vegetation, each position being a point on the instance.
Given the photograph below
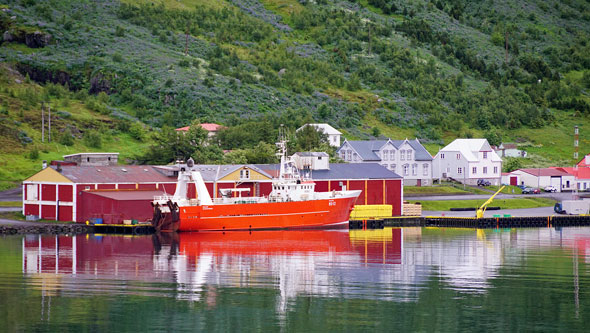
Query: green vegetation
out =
(115, 73)
(433, 190)
(502, 203)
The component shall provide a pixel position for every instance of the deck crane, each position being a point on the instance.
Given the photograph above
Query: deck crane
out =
(482, 209)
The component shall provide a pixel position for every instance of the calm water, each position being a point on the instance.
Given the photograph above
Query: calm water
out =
(418, 279)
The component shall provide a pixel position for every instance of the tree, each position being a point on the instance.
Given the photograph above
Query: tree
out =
(309, 139)
(511, 164)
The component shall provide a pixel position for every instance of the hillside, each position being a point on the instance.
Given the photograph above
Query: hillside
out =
(437, 70)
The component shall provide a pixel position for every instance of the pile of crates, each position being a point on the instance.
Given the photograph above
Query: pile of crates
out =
(412, 209)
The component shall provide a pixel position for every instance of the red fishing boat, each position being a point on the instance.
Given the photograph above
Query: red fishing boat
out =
(292, 204)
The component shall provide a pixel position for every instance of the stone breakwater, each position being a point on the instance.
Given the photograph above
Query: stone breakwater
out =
(50, 229)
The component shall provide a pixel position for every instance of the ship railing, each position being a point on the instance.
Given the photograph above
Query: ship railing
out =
(163, 197)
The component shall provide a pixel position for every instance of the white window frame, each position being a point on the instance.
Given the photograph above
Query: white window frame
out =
(460, 170)
(392, 154)
(425, 169)
(402, 155)
(409, 153)
(485, 155)
(442, 156)
(458, 156)
(474, 170)
(485, 170)
(495, 170)
(406, 169)
(385, 155)
(414, 169)
(245, 174)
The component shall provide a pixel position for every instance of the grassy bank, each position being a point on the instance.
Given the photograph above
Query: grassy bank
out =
(503, 204)
(10, 203)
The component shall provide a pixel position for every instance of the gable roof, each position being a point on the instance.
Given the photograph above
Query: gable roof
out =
(579, 173)
(467, 147)
(367, 148)
(341, 171)
(326, 128)
(545, 172)
(113, 174)
(583, 163)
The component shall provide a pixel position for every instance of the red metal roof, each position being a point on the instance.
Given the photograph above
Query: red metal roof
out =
(546, 172)
(114, 174)
(579, 173)
(124, 195)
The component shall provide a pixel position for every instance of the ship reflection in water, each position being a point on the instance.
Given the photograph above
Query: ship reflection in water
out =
(388, 264)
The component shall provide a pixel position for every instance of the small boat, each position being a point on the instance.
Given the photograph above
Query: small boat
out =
(292, 204)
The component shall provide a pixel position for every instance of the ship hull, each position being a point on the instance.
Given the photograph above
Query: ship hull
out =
(322, 213)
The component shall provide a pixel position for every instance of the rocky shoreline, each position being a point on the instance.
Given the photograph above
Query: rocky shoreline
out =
(48, 229)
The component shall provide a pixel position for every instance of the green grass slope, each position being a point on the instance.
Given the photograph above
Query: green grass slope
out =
(436, 70)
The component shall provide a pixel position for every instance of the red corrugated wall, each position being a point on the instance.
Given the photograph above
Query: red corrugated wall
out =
(48, 192)
(65, 213)
(31, 209)
(66, 193)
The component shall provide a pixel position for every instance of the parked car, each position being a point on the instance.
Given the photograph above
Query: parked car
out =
(530, 190)
(483, 182)
(522, 187)
(550, 189)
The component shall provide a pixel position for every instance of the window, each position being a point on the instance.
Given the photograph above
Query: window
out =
(392, 154)
(442, 156)
(414, 169)
(458, 156)
(355, 156)
(402, 155)
(348, 155)
(495, 170)
(485, 155)
(406, 170)
(459, 170)
(393, 167)
(244, 174)
(485, 170)
(474, 170)
(385, 155)
(87, 159)
(425, 169)
(409, 155)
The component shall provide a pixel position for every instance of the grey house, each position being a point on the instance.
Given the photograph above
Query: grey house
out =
(407, 158)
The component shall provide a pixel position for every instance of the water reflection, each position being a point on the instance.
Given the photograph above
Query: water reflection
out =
(391, 264)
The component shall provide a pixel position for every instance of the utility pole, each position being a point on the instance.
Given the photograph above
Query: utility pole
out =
(49, 121)
(43, 122)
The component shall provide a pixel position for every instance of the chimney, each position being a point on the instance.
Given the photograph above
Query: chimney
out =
(58, 169)
(588, 159)
(44, 164)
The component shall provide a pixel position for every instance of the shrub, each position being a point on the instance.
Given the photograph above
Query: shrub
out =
(34, 154)
(92, 139)
(66, 138)
(136, 131)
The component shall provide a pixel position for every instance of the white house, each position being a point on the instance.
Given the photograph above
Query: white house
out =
(312, 160)
(542, 177)
(407, 158)
(332, 133)
(509, 150)
(467, 161)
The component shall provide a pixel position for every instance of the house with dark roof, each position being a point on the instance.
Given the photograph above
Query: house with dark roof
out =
(407, 158)
(113, 193)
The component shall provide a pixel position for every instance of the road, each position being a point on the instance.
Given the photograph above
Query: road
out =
(14, 194)
(541, 211)
(555, 196)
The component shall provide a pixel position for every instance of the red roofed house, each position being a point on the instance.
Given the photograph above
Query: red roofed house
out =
(542, 177)
(212, 129)
(585, 162)
(582, 175)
